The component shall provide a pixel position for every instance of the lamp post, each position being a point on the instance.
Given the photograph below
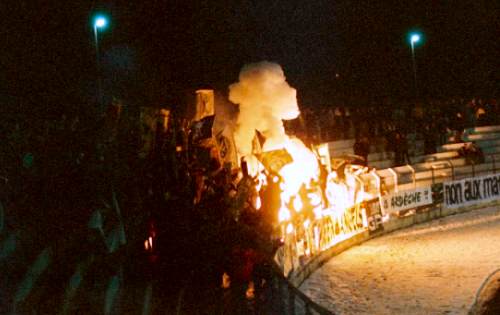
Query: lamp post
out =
(100, 22)
(414, 38)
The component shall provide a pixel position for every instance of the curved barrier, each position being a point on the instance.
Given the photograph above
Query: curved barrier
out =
(423, 215)
(439, 185)
(286, 299)
(449, 198)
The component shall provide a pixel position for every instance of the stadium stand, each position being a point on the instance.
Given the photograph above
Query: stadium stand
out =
(447, 164)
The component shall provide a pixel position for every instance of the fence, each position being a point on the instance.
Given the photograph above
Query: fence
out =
(288, 300)
(407, 177)
(399, 181)
(282, 297)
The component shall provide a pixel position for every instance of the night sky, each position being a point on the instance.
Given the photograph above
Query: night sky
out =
(154, 52)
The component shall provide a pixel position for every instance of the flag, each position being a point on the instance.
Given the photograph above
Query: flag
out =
(258, 142)
(204, 104)
(226, 147)
(202, 129)
(150, 119)
(274, 160)
(260, 138)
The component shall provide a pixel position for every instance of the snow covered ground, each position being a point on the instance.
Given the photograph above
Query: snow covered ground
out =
(431, 268)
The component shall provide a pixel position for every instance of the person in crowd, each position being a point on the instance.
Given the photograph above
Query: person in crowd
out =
(362, 148)
(481, 117)
(493, 112)
(401, 155)
(458, 126)
(324, 121)
(442, 125)
(469, 114)
(389, 137)
(347, 123)
(398, 114)
(339, 121)
(418, 116)
(429, 134)
(472, 153)
(330, 124)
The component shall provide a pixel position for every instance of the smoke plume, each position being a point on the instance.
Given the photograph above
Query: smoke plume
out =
(265, 99)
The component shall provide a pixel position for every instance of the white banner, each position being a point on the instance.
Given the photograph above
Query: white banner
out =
(407, 199)
(469, 191)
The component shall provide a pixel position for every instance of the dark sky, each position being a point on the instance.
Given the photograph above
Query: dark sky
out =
(155, 51)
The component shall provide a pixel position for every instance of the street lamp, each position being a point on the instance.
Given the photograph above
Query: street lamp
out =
(414, 38)
(100, 22)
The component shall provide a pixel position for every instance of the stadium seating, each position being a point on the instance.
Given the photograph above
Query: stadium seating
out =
(446, 164)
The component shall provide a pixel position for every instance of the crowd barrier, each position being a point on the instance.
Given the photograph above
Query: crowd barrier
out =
(437, 185)
(401, 209)
(286, 299)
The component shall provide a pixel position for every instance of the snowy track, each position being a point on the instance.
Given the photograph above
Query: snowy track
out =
(432, 268)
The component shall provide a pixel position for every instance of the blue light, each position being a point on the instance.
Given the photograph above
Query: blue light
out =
(100, 22)
(415, 38)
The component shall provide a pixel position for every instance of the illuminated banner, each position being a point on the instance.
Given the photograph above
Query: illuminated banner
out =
(407, 199)
(470, 191)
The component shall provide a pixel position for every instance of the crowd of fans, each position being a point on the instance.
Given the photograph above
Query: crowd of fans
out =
(55, 172)
(42, 156)
(431, 118)
(434, 122)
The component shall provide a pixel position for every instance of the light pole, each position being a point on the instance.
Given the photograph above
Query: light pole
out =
(414, 38)
(100, 22)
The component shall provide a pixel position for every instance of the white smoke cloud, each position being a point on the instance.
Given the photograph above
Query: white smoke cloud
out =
(265, 99)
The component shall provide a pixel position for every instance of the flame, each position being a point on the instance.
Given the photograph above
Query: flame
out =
(258, 203)
(301, 171)
(304, 204)
(148, 244)
(250, 292)
(307, 223)
(226, 281)
(318, 212)
(315, 199)
(284, 214)
(297, 204)
(265, 99)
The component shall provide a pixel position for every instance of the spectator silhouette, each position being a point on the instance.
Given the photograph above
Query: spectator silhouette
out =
(362, 148)
(401, 156)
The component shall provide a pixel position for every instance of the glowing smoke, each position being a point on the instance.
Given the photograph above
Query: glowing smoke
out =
(265, 99)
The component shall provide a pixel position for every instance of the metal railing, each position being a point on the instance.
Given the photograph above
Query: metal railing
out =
(288, 300)
(451, 171)
(435, 165)
(292, 301)
(273, 294)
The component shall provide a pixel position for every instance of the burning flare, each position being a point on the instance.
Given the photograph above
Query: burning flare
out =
(311, 215)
